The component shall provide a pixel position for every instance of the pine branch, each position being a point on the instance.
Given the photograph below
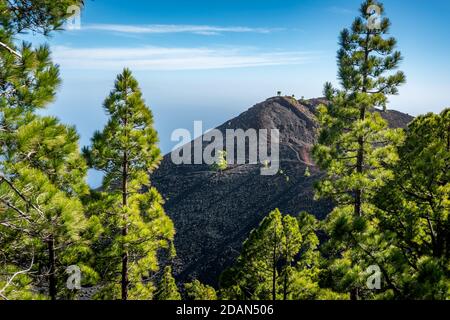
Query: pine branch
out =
(20, 212)
(2, 291)
(21, 195)
(17, 54)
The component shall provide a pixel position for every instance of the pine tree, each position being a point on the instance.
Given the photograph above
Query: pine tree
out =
(221, 163)
(195, 290)
(168, 289)
(414, 211)
(135, 225)
(279, 260)
(41, 170)
(355, 144)
(39, 16)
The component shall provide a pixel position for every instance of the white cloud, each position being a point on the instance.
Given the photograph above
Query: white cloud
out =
(173, 28)
(341, 10)
(161, 58)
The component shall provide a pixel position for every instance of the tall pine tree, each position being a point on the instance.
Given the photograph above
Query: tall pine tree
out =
(415, 209)
(167, 288)
(41, 169)
(279, 261)
(131, 212)
(195, 290)
(355, 143)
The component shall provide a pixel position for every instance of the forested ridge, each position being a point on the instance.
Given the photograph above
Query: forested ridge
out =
(384, 235)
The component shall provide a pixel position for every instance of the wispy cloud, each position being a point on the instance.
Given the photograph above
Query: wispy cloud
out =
(174, 28)
(341, 10)
(161, 58)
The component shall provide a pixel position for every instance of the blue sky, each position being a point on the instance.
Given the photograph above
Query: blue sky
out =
(211, 60)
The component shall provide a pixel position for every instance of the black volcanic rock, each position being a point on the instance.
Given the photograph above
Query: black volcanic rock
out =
(214, 212)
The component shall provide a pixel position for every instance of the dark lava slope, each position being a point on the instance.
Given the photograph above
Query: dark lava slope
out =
(214, 212)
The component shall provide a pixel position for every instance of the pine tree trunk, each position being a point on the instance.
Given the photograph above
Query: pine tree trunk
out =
(125, 279)
(124, 271)
(125, 220)
(359, 169)
(354, 294)
(274, 286)
(288, 263)
(362, 117)
(125, 228)
(274, 271)
(51, 267)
